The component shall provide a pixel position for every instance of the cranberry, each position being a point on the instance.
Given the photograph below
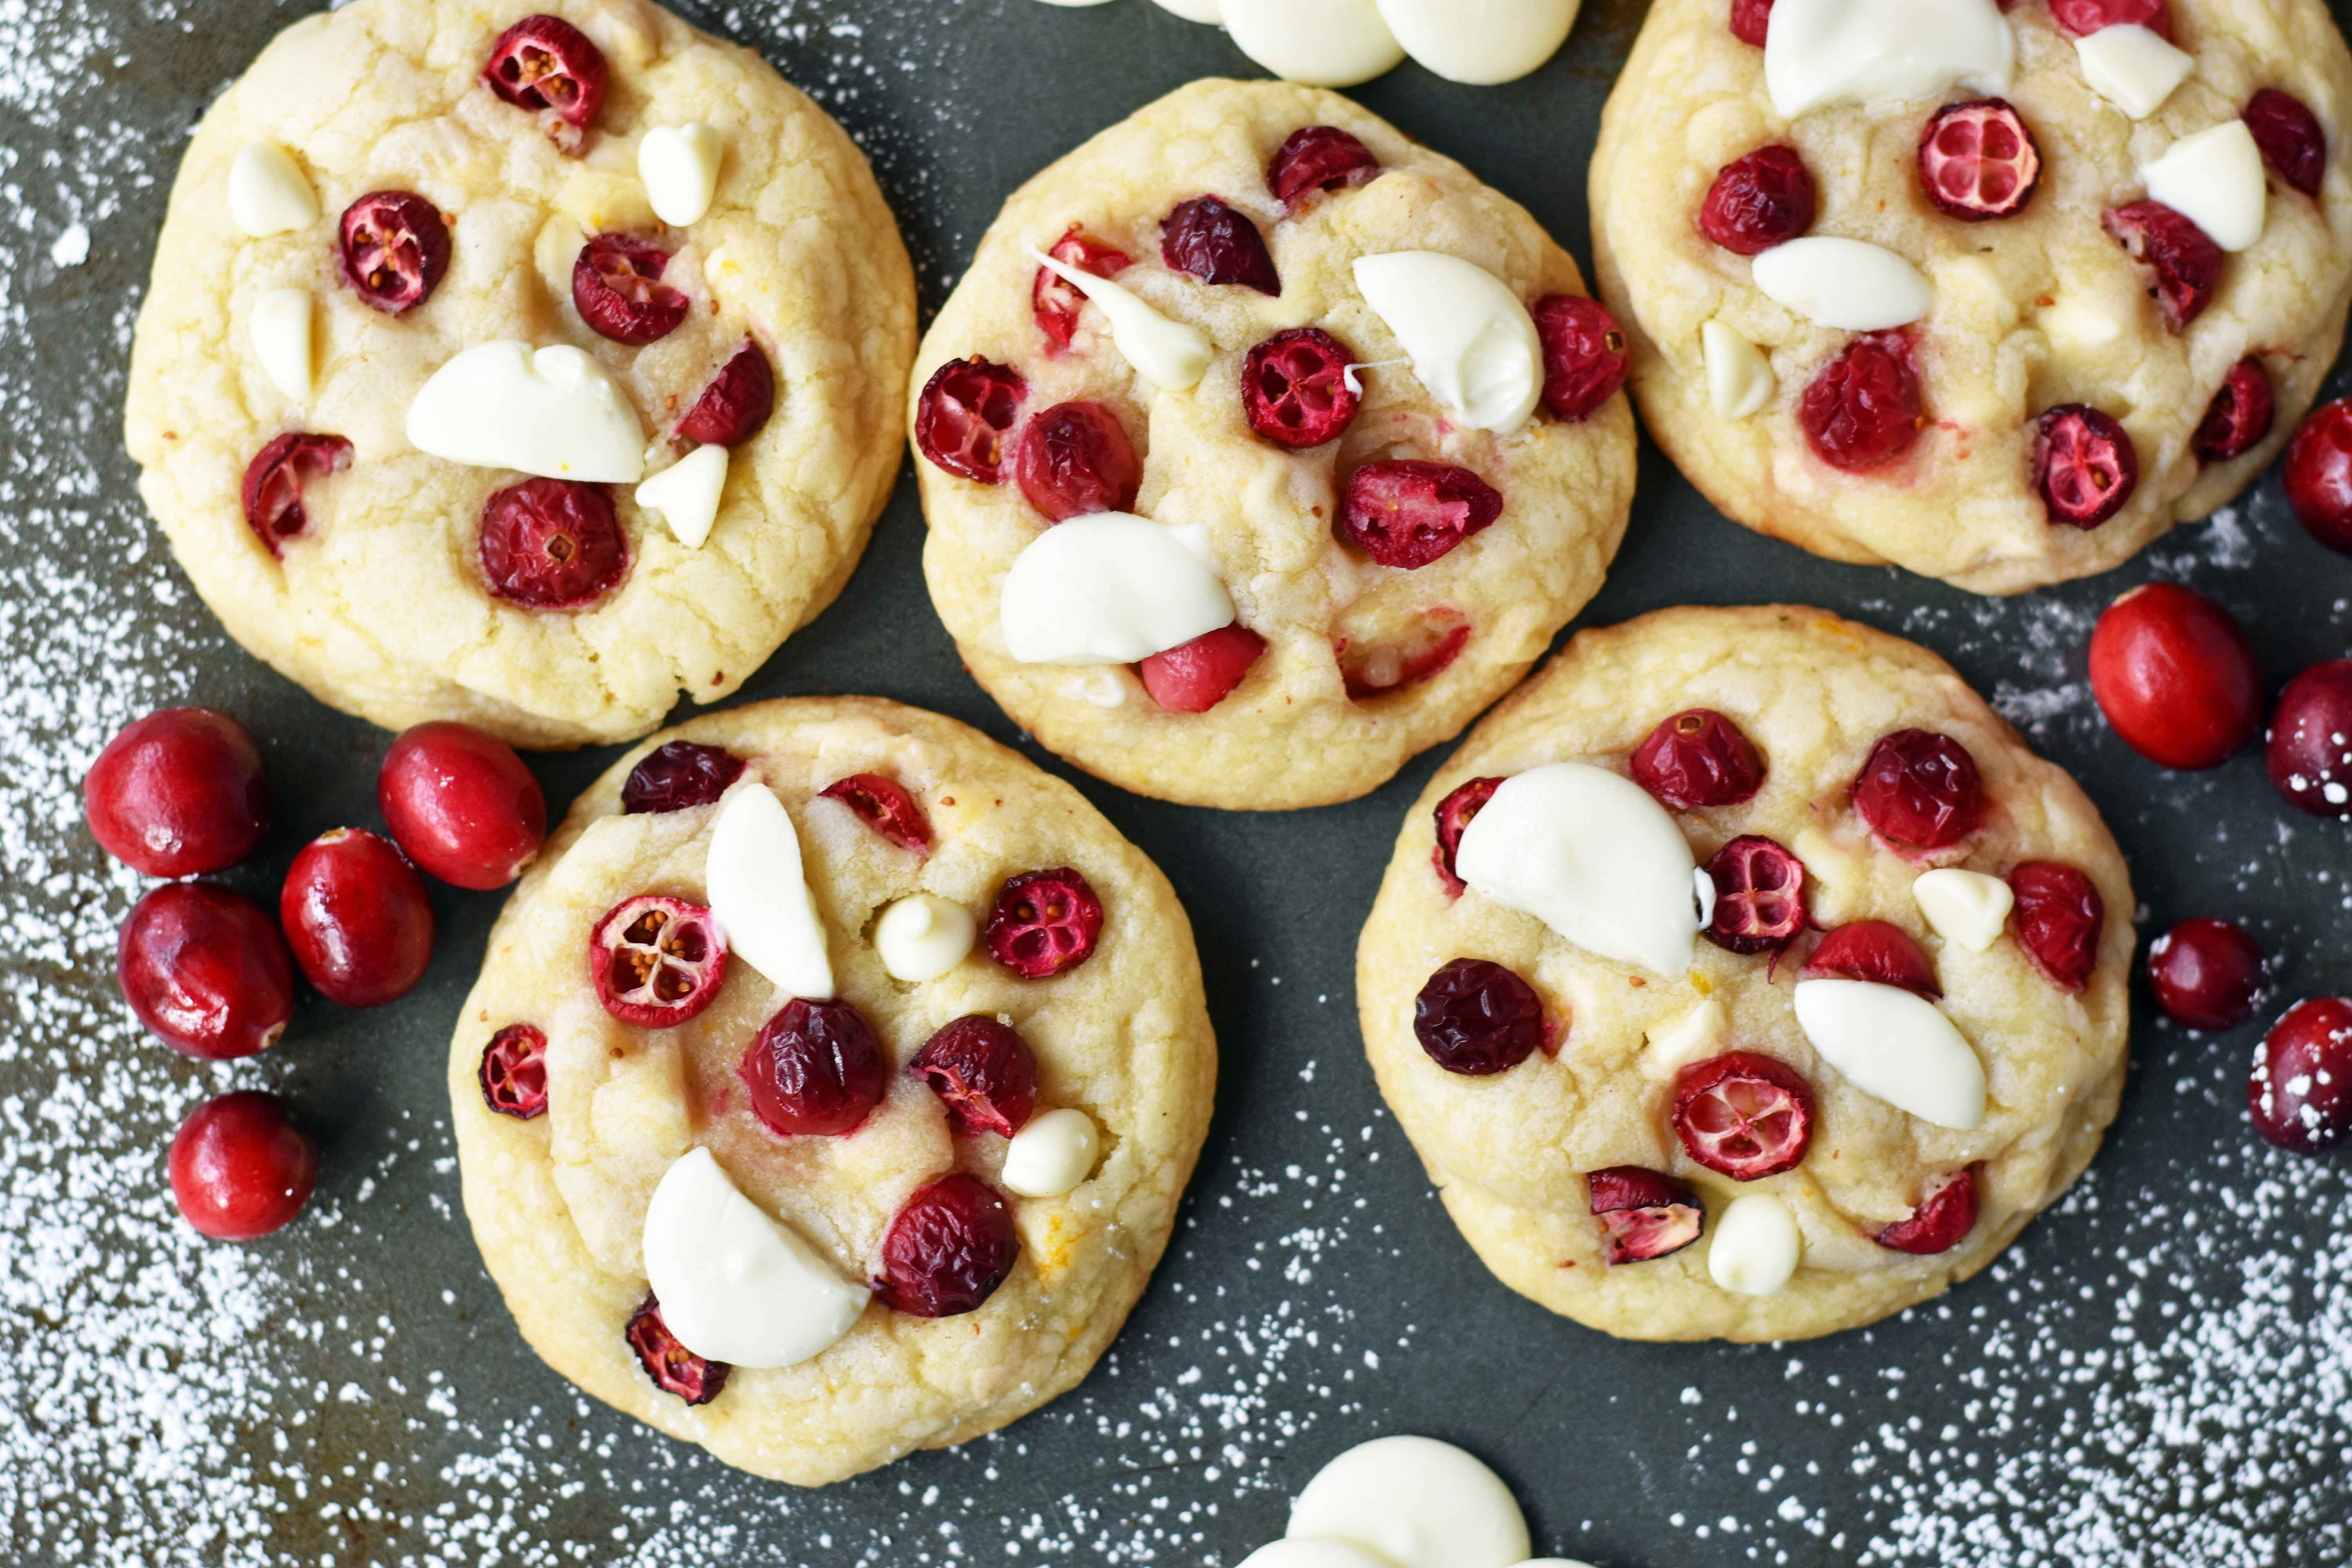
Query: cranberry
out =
(2084, 464)
(1977, 160)
(1453, 814)
(1861, 410)
(1584, 352)
(274, 479)
(1075, 460)
(678, 775)
(1195, 677)
(395, 250)
(2059, 917)
(2289, 136)
(2186, 261)
(2301, 1089)
(1215, 244)
(1432, 642)
(177, 793)
(2309, 750)
(616, 287)
(2176, 677)
(1055, 300)
(1044, 924)
(1947, 1212)
(239, 1166)
(1750, 20)
(963, 417)
(1295, 388)
(2084, 17)
(2319, 474)
(1643, 1214)
(672, 1368)
(884, 806)
(2240, 414)
(2207, 973)
(1744, 1115)
(513, 1073)
(1758, 201)
(1477, 1019)
(985, 1073)
(462, 804)
(356, 916)
(1319, 158)
(656, 961)
(737, 403)
(1919, 789)
(545, 63)
(1698, 758)
(552, 544)
(1759, 896)
(816, 1068)
(1407, 512)
(947, 1250)
(1877, 950)
(205, 971)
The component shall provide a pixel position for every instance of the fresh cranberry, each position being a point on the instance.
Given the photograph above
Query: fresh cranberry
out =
(1055, 300)
(1195, 677)
(513, 1073)
(1643, 1214)
(395, 250)
(2290, 138)
(1407, 512)
(2186, 261)
(1947, 1212)
(2240, 414)
(546, 64)
(177, 793)
(884, 806)
(2059, 916)
(1585, 355)
(2207, 973)
(1075, 460)
(671, 1367)
(737, 403)
(961, 421)
(205, 971)
(2309, 750)
(1215, 244)
(1877, 950)
(984, 1072)
(1698, 758)
(1763, 199)
(1750, 19)
(1477, 1019)
(947, 1250)
(462, 804)
(2301, 1089)
(274, 479)
(656, 961)
(1453, 814)
(616, 287)
(1863, 410)
(1744, 1115)
(1977, 160)
(1430, 646)
(2084, 17)
(815, 1069)
(552, 544)
(1919, 789)
(2176, 677)
(356, 916)
(677, 776)
(1319, 158)
(2319, 474)
(1759, 896)
(239, 1166)
(1295, 388)
(1044, 924)
(2084, 464)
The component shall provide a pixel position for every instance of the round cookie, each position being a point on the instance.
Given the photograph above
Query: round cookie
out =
(559, 1199)
(2043, 309)
(376, 591)
(1613, 1084)
(1346, 664)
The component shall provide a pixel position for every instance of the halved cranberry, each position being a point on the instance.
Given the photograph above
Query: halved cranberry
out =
(552, 544)
(1750, 19)
(1643, 1214)
(1757, 201)
(205, 971)
(2309, 750)
(177, 793)
(2084, 17)
(616, 287)
(2301, 1089)
(1453, 814)
(1195, 677)
(1947, 1212)
(2176, 677)
(2059, 917)
(356, 916)
(239, 1166)
(1875, 951)
(1977, 160)
(961, 421)
(1044, 924)
(1295, 388)
(1759, 896)
(275, 478)
(1698, 758)
(2318, 474)
(1744, 1115)
(2290, 138)
(1407, 512)
(948, 1250)
(2240, 414)
(514, 1072)
(1430, 646)
(1075, 460)
(1919, 789)
(545, 63)
(984, 1072)
(1863, 410)
(394, 247)
(672, 1368)
(1477, 1019)
(1055, 300)
(1319, 158)
(656, 961)
(678, 775)
(887, 806)
(1584, 352)
(736, 403)
(1215, 244)
(2084, 464)
(815, 1069)
(2186, 261)
(2206, 974)
(462, 804)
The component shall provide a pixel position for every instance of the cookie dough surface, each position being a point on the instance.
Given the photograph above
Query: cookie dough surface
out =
(558, 1203)
(1509, 1152)
(380, 607)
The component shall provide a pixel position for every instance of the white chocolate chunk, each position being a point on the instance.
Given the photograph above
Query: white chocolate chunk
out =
(1415, 1502)
(1966, 908)
(267, 192)
(1323, 43)
(2213, 178)
(923, 936)
(2132, 66)
(1310, 1551)
(1739, 379)
(1193, 10)
(1693, 1037)
(280, 328)
(1052, 1154)
(1112, 588)
(1896, 1045)
(736, 1285)
(1756, 1246)
(686, 494)
(553, 412)
(759, 893)
(1471, 342)
(1821, 52)
(1479, 41)
(1848, 284)
(2068, 320)
(1169, 354)
(679, 166)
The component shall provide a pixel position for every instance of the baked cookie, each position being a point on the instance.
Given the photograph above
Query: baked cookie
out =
(1901, 1037)
(525, 369)
(829, 1086)
(1180, 531)
(1995, 294)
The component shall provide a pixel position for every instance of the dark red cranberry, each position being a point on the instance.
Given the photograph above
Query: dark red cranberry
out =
(2240, 414)
(1863, 410)
(947, 1250)
(1744, 1115)
(887, 806)
(737, 403)
(1453, 814)
(1643, 1214)
(815, 1069)
(513, 1073)
(2176, 677)
(656, 961)
(1044, 924)
(462, 804)
(2309, 750)
(1477, 1019)
(1763, 199)
(1877, 950)
(1075, 460)
(1055, 300)
(205, 971)
(1750, 19)
(2207, 973)
(1195, 677)
(1919, 789)
(672, 1368)
(1977, 160)
(552, 544)
(2084, 17)
(2290, 138)
(1407, 512)
(239, 1166)
(1698, 758)
(177, 793)
(617, 287)
(2059, 917)
(2186, 261)
(1215, 244)
(2084, 464)
(1430, 645)
(1759, 896)
(1585, 355)
(1319, 158)
(984, 1072)
(274, 479)
(678, 775)
(2301, 1090)
(966, 410)
(1947, 1212)
(356, 916)
(546, 64)
(2318, 474)
(1295, 388)
(395, 250)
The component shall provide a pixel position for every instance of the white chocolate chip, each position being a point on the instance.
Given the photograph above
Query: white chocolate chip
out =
(2132, 66)
(679, 166)
(1693, 1037)
(1896, 1045)
(279, 325)
(1110, 588)
(553, 412)
(1167, 353)
(1415, 1502)
(1480, 42)
(1756, 1247)
(2214, 178)
(923, 936)
(1052, 1154)
(759, 893)
(1821, 52)
(686, 494)
(2069, 322)
(267, 192)
(735, 1284)
(1848, 284)
(1322, 43)
(1471, 342)
(1310, 1551)
(1968, 908)
(1739, 379)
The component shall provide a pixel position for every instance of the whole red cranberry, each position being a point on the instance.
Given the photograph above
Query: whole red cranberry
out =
(1947, 1212)
(205, 971)
(2290, 138)
(962, 420)
(1476, 1018)
(2084, 464)
(678, 775)
(736, 405)
(1453, 814)
(1295, 390)
(546, 64)
(1977, 160)
(2318, 474)
(656, 961)
(513, 1073)
(2309, 750)
(1757, 201)
(1919, 789)
(2207, 973)
(1759, 896)
(278, 475)
(1744, 1115)
(949, 1248)
(1585, 355)
(2084, 17)
(669, 1366)
(1055, 301)
(815, 1069)
(552, 544)
(1750, 20)
(2176, 677)
(2186, 261)
(462, 804)
(395, 250)
(239, 1166)
(617, 287)
(1429, 646)
(1044, 924)
(1075, 460)
(1319, 158)
(177, 793)
(1407, 512)
(1698, 758)
(1643, 1214)
(2301, 1089)
(1875, 951)
(356, 916)
(1195, 677)
(2059, 915)
(887, 806)
(1862, 409)
(983, 1071)
(2240, 414)
(1213, 242)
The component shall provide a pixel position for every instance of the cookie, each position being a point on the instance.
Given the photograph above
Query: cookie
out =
(1996, 295)
(1744, 976)
(829, 1086)
(522, 370)
(1350, 416)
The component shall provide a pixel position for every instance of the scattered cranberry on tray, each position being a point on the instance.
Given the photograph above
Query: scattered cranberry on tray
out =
(1757, 201)
(462, 804)
(1744, 1115)
(239, 1166)
(2300, 1091)
(2175, 676)
(2318, 474)
(205, 971)
(1643, 1214)
(948, 1250)
(1947, 1212)
(1698, 758)
(1877, 950)
(983, 1071)
(1476, 1018)
(177, 793)
(356, 916)
(656, 961)
(2207, 973)
(2309, 749)
(815, 1069)
(1195, 677)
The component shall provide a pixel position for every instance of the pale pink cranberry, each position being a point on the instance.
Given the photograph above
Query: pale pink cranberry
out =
(1759, 896)
(2309, 750)
(1750, 20)
(1476, 1018)
(2207, 973)
(1213, 242)
(1453, 814)
(545, 64)
(2240, 414)
(2184, 260)
(617, 287)
(963, 416)
(1947, 1212)
(2084, 17)
(1643, 1214)
(513, 1073)
(1055, 301)
(1757, 201)
(462, 804)
(737, 403)
(1862, 409)
(677, 776)
(2059, 915)
(1295, 390)
(2318, 474)
(887, 806)
(1319, 158)
(1875, 951)
(276, 479)
(552, 544)
(395, 247)
(177, 793)
(356, 916)
(656, 961)
(239, 1166)
(947, 1250)
(2176, 677)
(2084, 464)
(1075, 460)
(1744, 1115)
(1585, 355)
(1698, 758)
(985, 1073)
(1195, 677)
(2290, 138)
(2301, 1089)
(816, 1069)
(1977, 160)
(205, 971)
(1044, 924)
(669, 1366)
(1919, 789)
(1407, 512)
(1426, 650)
